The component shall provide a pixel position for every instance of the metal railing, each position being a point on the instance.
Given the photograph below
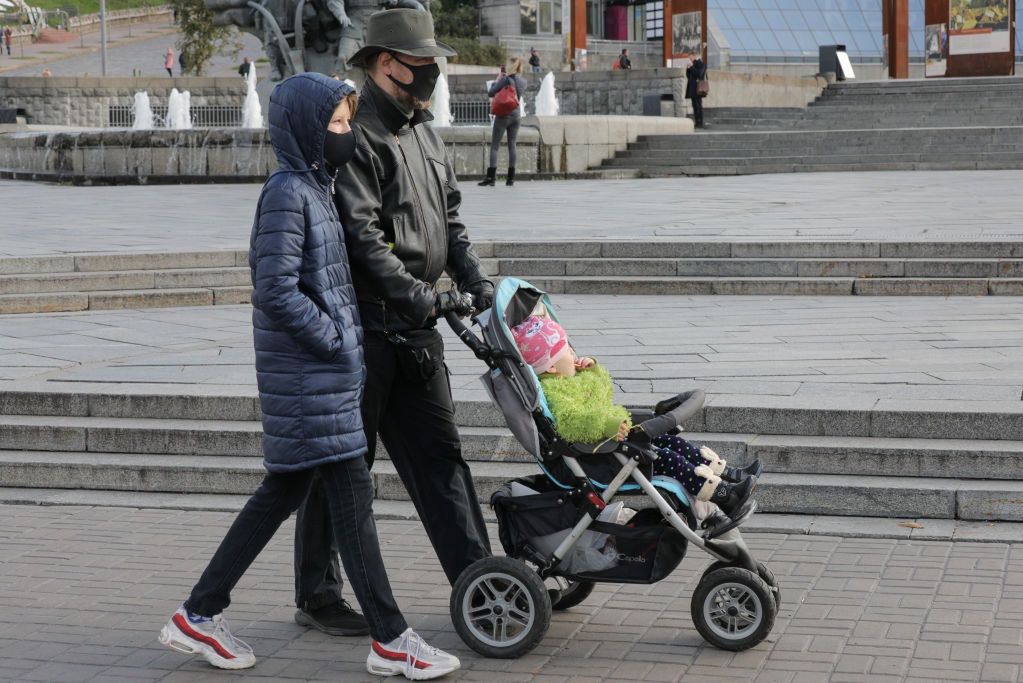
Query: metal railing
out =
(471, 112)
(203, 115)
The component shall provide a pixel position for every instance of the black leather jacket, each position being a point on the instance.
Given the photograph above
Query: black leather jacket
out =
(399, 200)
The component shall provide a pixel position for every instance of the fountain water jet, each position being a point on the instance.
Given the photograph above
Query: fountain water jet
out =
(143, 112)
(178, 106)
(441, 105)
(546, 103)
(252, 112)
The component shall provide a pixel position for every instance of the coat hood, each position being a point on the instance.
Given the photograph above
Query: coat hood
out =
(300, 109)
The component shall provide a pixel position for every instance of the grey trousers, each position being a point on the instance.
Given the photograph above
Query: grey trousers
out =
(508, 123)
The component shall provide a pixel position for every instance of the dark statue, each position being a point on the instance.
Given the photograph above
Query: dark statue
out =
(306, 35)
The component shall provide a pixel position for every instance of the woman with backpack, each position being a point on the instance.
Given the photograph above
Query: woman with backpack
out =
(507, 92)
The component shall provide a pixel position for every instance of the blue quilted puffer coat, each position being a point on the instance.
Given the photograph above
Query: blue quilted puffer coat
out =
(305, 320)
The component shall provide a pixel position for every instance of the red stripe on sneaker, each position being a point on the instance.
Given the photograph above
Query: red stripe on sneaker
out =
(397, 656)
(182, 624)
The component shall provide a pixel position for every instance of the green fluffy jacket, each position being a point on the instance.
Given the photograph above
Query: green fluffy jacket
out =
(582, 405)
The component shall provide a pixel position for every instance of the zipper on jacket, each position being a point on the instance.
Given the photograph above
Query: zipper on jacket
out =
(419, 201)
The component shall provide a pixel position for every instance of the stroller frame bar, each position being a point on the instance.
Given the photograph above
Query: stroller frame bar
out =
(630, 470)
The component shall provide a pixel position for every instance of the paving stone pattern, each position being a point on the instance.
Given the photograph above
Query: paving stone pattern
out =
(827, 351)
(40, 218)
(84, 591)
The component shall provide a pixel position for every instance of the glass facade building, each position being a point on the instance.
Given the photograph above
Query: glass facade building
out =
(756, 31)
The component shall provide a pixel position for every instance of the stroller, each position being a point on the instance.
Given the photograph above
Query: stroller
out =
(562, 526)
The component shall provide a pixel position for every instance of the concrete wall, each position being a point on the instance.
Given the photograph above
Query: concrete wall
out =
(85, 102)
(546, 145)
(729, 89)
(571, 144)
(622, 92)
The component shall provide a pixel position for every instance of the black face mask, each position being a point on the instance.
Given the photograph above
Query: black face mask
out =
(338, 148)
(424, 80)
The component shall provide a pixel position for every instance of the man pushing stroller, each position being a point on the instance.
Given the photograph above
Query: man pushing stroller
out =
(579, 395)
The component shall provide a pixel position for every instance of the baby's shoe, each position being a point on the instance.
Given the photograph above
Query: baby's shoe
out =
(208, 637)
(409, 655)
(740, 474)
(731, 497)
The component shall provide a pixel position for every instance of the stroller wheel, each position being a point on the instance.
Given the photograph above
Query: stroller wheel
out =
(576, 592)
(500, 607)
(765, 573)
(733, 608)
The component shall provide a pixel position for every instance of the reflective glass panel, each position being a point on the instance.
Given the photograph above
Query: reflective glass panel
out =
(793, 29)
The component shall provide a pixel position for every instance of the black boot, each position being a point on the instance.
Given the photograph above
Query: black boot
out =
(491, 178)
(739, 474)
(731, 497)
(511, 176)
(337, 619)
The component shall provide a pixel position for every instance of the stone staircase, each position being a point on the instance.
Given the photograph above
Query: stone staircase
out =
(115, 281)
(944, 124)
(44, 284)
(184, 451)
(799, 268)
(751, 118)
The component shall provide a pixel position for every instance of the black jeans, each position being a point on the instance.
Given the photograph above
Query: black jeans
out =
(318, 580)
(416, 421)
(348, 500)
(508, 123)
(698, 111)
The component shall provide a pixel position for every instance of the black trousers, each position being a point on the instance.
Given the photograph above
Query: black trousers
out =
(416, 421)
(698, 111)
(347, 495)
(318, 580)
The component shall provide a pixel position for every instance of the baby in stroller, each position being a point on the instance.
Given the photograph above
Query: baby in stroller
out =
(579, 394)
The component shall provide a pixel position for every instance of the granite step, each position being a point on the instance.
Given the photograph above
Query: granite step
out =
(808, 494)
(793, 454)
(200, 437)
(55, 302)
(63, 418)
(88, 282)
(779, 286)
(656, 249)
(921, 528)
(180, 278)
(764, 267)
(697, 170)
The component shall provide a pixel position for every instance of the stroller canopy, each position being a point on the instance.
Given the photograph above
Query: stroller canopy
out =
(512, 384)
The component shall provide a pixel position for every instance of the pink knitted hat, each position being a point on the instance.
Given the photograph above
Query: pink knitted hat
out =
(541, 341)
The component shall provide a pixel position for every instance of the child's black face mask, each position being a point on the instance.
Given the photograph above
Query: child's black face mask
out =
(338, 148)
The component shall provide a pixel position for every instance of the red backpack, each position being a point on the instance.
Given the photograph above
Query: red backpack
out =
(506, 101)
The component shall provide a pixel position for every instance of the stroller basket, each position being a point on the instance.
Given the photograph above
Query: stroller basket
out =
(645, 550)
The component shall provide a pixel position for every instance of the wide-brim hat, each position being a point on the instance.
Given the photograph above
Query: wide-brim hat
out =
(406, 31)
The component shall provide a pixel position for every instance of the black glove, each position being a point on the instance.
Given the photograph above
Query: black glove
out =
(482, 294)
(453, 301)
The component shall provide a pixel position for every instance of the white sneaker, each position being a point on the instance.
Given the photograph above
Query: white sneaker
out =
(208, 637)
(410, 656)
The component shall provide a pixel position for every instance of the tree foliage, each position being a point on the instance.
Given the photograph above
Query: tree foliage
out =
(457, 23)
(200, 39)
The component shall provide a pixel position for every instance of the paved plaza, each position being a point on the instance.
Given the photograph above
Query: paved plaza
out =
(854, 352)
(42, 218)
(138, 48)
(83, 592)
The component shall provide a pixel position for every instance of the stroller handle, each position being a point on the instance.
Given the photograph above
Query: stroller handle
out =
(673, 412)
(476, 344)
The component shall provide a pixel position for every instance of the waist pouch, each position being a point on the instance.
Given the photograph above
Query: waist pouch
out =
(420, 353)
